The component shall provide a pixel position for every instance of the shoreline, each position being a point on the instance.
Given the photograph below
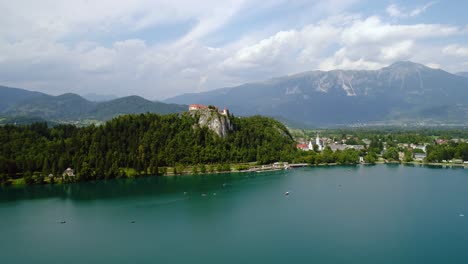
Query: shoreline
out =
(251, 168)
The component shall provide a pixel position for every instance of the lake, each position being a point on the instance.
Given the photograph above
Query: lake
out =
(341, 214)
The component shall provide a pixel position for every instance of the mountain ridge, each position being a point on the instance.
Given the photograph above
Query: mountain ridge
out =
(401, 91)
(73, 107)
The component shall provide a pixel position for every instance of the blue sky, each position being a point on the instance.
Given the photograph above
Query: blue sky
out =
(158, 49)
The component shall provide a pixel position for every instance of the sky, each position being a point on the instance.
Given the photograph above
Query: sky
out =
(161, 48)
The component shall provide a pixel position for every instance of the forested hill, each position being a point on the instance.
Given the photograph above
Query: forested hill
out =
(18, 103)
(143, 142)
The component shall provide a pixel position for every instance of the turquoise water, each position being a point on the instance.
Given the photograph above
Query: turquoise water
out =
(362, 214)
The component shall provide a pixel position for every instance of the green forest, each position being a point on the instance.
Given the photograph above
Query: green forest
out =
(141, 144)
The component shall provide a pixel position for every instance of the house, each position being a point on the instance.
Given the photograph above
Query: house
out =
(441, 141)
(304, 147)
(421, 147)
(357, 147)
(419, 156)
(401, 155)
(366, 141)
(334, 147)
(69, 172)
(279, 165)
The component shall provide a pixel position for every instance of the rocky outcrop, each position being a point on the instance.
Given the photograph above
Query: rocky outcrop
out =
(215, 121)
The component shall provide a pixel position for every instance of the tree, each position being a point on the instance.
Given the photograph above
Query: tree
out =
(202, 168)
(143, 144)
(408, 156)
(371, 157)
(28, 178)
(391, 154)
(85, 172)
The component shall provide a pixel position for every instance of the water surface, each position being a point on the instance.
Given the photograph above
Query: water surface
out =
(355, 214)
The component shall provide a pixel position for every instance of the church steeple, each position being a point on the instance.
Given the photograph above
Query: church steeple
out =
(318, 143)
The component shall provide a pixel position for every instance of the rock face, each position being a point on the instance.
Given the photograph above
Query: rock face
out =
(215, 121)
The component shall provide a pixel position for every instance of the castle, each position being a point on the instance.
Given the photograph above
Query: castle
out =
(196, 107)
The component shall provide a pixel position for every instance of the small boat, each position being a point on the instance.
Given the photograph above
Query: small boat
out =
(286, 193)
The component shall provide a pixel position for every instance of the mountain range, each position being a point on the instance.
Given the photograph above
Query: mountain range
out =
(402, 93)
(15, 102)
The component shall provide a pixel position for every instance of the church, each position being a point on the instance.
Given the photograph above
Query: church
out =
(318, 142)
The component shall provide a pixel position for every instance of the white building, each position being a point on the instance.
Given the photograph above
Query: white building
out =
(319, 143)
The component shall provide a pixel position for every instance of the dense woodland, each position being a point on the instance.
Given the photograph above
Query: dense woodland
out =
(146, 143)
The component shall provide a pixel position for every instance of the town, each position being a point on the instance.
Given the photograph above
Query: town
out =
(385, 148)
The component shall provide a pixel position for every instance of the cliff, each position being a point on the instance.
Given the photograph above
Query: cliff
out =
(215, 121)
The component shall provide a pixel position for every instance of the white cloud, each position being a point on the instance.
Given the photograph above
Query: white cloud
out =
(371, 43)
(455, 50)
(373, 30)
(367, 43)
(394, 10)
(420, 10)
(54, 49)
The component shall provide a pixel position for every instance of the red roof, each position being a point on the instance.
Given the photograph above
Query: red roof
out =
(199, 106)
(302, 146)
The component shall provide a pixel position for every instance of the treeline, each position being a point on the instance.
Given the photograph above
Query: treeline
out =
(438, 153)
(145, 143)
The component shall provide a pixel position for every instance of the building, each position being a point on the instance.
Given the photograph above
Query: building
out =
(334, 147)
(319, 143)
(419, 156)
(197, 107)
(357, 147)
(441, 141)
(401, 155)
(421, 147)
(304, 147)
(280, 165)
(69, 172)
(366, 141)
(225, 111)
